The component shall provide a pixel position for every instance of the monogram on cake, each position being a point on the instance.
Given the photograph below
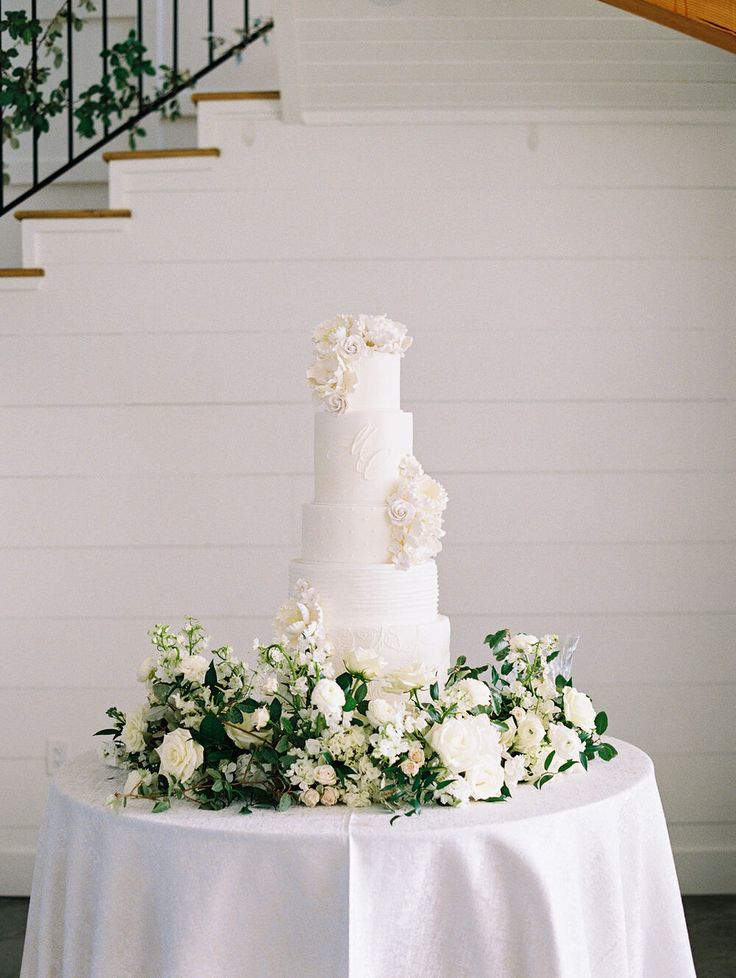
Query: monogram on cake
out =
(370, 537)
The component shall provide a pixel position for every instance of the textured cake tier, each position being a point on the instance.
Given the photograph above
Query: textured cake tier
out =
(357, 455)
(400, 645)
(345, 533)
(371, 594)
(378, 383)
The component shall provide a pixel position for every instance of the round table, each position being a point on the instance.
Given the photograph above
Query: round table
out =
(575, 880)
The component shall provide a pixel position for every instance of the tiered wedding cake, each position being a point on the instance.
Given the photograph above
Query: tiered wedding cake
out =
(370, 537)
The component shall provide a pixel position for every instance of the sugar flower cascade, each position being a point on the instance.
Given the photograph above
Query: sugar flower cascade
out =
(302, 726)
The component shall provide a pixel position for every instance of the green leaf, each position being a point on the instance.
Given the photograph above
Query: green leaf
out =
(584, 760)
(109, 732)
(211, 731)
(161, 806)
(344, 681)
(284, 803)
(543, 781)
(361, 691)
(274, 710)
(283, 745)
(434, 691)
(548, 760)
(210, 677)
(601, 723)
(607, 752)
(495, 639)
(567, 765)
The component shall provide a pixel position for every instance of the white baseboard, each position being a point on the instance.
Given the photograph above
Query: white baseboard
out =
(699, 871)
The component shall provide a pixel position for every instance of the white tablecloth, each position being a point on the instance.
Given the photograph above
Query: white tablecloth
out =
(573, 881)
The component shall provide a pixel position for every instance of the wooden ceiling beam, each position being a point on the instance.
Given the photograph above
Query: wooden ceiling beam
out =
(712, 21)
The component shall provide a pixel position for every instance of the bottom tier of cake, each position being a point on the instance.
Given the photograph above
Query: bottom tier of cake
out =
(400, 646)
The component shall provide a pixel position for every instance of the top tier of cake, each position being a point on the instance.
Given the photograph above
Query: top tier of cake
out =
(377, 383)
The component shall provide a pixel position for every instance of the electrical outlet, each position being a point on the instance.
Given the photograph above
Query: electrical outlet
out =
(56, 755)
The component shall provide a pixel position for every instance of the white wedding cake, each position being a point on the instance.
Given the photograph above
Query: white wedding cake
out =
(370, 537)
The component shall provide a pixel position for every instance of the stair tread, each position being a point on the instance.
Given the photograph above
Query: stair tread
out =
(158, 154)
(21, 272)
(54, 214)
(233, 96)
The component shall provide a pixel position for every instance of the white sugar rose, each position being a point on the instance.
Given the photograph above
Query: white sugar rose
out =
(336, 403)
(410, 468)
(464, 742)
(578, 709)
(133, 732)
(485, 779)
(310, 797)
(296, 615)
(529, 733)
(400, 511)
(194, 668)
(564, 742)
(327, 697)
(366, 662)
(415, 675)
(329, 796)
(474, 693)
(325, 774)
(180, 756)
(382, 712)
(352, 347)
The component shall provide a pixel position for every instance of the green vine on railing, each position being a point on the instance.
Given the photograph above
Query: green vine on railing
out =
(28, 101)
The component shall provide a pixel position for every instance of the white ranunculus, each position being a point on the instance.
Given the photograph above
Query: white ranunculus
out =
(328, 697)
(180, 755)
(310, 797)
(485, 779)
(415, 675)
(243, 734)
(325, 774)
(401, 511)
(564, 742)
(382, 712)
(133, 733)
(474, 692)
(578, 709)
(146, 669)
(529, 733)
(194, 668)
(464, 742)
(366, 662)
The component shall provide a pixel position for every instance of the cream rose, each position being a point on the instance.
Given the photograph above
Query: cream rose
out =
(325, 774)
(464, 742)
(328, 697)
(578, 709)
(180, 756)
(310, 797)
(529, 733)
(133, 733)
(409, 767)
(194, 668)
(329, 796)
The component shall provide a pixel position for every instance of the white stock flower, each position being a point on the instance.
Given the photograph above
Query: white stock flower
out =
(367, 662)
(194, 668)
(474, 693)
(514, 771)
(464, 742)
(578, 709)
(415, 675)
(328, 697)
(522, 645)
(529, 733)
(180, 755)
(325, 774)
(133, 732)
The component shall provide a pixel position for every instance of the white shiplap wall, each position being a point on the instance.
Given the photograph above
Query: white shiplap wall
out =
(572, 381)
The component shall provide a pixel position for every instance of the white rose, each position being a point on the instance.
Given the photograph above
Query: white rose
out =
(194, 668)
(329, 796)
(529, 733)
(310, 797)
(400, 511)
(367, 662)
(463, 742)
(565, 743)
(485, 779)
(146, 669)
(132, 734)
(180, 755)
(325, 774)
(327, 697)
(523, 645)
(578, 709)
(415, 675)
(242, 734)
(475, 693)
(382, 712)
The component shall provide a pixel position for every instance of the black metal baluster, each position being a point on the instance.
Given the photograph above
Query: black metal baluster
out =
(210, 31)
(34, 76)
(175, 39)
(2, 141)
(139, 19)
(246, 17)
(105, 43)
(70, 80)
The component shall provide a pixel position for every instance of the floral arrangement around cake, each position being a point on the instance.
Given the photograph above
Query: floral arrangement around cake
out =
(414, 510)
(295, 729)
(339, 342)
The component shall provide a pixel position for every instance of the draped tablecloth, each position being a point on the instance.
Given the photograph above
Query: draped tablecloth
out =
(573, 881)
